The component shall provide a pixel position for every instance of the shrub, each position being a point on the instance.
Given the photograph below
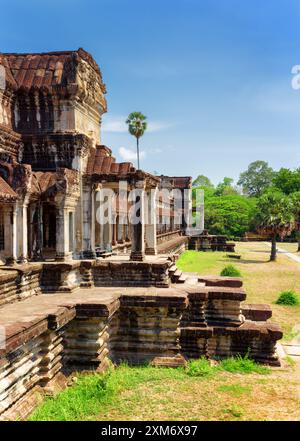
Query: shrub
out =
(242, 365)
(230, 271)
(288, 297)
(200, 368)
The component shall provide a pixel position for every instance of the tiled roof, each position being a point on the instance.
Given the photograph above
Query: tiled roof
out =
(42, 70)
(102, 163)
(8, 74)
(43, 181)
(6, 192)
(180, 181)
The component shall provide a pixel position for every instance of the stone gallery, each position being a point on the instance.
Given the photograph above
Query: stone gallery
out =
(83, 284)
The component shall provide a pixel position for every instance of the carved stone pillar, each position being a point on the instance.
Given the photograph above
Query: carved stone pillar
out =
(37, 232)
(62, 235)
(105, 219)
(137, 221)
(88, 215)
(23, 230)
(9, 244)
(150, 226)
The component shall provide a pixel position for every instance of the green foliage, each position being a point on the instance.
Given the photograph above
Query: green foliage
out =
(137, 124)
(231, 215)
(243, 365)
(230, 271)
(95, 393)
(200, 368)
(275, 214)
(256, 179)
(287, 181)
(236, 390)
(288, 297)
(202, 181)
(225, 188)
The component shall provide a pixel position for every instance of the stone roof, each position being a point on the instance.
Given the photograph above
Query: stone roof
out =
(179, 181)
(7, 194)
(44, 70)
(43, 181)
(101, 162)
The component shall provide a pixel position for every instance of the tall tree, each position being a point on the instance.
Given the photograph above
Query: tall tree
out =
(202, 181)
(275, 217)
(287, 181)
(296, 204)
(137, 126)
(226, 188)
(256, 179)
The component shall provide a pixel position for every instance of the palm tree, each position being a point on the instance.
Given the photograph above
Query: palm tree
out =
(275, 217)
(137, 126)
(296, 202)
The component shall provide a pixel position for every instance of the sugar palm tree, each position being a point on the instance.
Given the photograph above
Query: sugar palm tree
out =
(275, 217)
(137, 126)
(296, 202)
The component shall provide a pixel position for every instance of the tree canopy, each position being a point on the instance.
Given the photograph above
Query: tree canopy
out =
(275, 216)
(256, 179)
(202, 181)
(287, 181)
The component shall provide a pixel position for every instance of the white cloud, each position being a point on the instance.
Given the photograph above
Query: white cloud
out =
(130, 154)
(117, 124)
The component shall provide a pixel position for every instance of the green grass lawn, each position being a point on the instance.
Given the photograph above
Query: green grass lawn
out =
(263, 280)
(233, 390)
(291, 247)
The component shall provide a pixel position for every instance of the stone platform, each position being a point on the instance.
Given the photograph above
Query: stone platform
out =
(51, 335)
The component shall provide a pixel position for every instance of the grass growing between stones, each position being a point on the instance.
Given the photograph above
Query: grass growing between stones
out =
(263, 280)
(231, 390)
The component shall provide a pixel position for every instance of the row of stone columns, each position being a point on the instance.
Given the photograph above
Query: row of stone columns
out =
(19, 238)
(142, 234)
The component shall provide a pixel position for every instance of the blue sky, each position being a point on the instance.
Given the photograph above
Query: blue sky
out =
(212, 76)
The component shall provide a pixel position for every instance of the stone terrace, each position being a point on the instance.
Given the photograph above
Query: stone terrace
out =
(51, 335)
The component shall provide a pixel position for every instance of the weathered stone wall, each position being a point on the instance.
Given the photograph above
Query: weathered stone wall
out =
(87, 337)
(130, 273)
(19, 284)
(61, 277)
(146, 328)
(213, 325)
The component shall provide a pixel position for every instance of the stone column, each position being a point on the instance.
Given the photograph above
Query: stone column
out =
(62, 234)
(137, 220)
(114, 231)
(14, 234)
(8, 218)
(150, 226)
(37, 232)
(105, 219)
(88, 216)
(24, 232)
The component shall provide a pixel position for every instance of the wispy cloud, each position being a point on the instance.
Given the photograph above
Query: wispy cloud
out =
(117, 124)
(130, 154)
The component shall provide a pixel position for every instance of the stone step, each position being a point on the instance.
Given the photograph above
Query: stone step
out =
(182, 278)
(172, 269)
(176, 275)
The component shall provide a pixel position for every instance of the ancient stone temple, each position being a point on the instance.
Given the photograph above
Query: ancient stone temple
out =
(78, 293)
(52, 163)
